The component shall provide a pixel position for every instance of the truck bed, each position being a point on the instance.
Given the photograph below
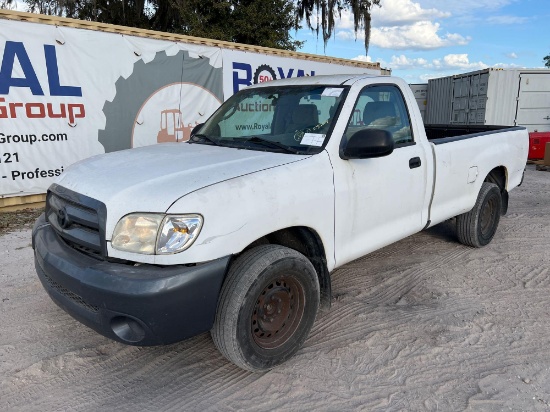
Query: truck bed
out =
(461, 167)
(444, 133)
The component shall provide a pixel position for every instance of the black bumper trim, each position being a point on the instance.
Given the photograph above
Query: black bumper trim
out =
(170, 303)
(67, 293)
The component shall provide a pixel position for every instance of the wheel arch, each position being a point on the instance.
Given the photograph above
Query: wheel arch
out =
(308, 242)
(499, 176)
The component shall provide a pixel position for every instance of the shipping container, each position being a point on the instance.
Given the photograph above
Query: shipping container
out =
(507, 97)
(421, 95)
(440, 96)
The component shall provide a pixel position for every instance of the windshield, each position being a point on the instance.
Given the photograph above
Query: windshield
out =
(291, 119)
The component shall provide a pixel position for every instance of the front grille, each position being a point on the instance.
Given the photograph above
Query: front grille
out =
(70, 295)
(78, 219)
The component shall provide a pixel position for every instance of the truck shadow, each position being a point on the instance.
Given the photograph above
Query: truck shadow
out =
(445, 231)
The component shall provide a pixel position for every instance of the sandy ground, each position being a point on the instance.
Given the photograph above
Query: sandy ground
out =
(424, 324)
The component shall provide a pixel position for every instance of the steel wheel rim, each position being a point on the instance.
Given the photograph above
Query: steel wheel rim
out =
(278, 312)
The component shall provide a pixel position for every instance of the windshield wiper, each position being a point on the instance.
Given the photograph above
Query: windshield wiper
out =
(265, 142)
(204, 137)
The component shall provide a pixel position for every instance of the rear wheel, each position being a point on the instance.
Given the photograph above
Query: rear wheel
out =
(267, 307)
(477, 227)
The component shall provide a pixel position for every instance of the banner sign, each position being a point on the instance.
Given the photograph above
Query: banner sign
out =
(242, 69)
(67, 94)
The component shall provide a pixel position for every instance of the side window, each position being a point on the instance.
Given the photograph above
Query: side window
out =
(381, 107)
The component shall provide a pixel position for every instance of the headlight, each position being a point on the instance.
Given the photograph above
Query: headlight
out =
(149, 233)
(178, 233)
(137, 233)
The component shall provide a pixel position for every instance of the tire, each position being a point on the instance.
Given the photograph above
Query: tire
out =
(477, 227)
(267, 307)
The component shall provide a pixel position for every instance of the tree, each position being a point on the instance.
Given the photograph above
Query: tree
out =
(6, 4)
(265, 23)
(259, 22)
(547, 61)
(133, 13)
(324, 12)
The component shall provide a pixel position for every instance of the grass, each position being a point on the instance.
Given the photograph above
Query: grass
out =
(21, 219)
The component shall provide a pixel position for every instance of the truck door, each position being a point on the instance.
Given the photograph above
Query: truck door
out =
(380, 200)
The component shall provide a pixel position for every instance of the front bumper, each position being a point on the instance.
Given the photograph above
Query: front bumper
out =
(138, 305)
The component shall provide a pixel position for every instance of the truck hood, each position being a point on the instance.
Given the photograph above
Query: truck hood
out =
(150, 179)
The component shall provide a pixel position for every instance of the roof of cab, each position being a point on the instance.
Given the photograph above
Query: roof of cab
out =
(331, 79)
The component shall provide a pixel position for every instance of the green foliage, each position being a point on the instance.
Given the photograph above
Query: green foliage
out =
(258, 22)
(265, 23)
(547, 61)
(146, 14)
(321, 14)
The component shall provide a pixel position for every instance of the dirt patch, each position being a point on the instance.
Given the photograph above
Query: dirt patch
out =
(424, 324)
(19, 220)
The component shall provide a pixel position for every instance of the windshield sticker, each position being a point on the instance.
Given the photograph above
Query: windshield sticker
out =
(313, 139)
(332, 92)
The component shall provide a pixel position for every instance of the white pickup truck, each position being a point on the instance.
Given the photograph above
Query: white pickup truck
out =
(237, 231)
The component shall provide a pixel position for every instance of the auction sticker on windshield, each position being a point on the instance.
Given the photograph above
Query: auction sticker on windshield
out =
(313, 139)
(332, 91)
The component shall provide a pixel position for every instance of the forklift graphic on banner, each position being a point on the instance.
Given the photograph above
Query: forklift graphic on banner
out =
(172, 128)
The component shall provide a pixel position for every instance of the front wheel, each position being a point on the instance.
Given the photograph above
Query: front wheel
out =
(267, 307)
(477, 227)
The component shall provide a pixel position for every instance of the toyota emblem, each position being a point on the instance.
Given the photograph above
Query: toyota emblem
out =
(63, 218)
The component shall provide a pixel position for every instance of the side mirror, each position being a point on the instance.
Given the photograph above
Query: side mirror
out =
(368, 143)
(196, 129)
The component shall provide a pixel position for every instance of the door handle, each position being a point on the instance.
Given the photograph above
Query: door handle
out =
(414, 163)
